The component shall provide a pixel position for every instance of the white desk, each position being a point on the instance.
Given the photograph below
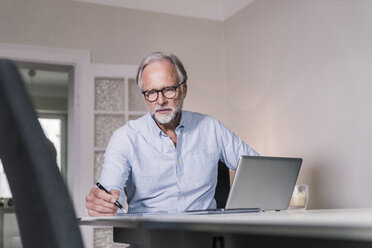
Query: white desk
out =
(313, 228)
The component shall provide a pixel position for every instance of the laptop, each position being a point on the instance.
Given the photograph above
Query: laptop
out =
(260, 184)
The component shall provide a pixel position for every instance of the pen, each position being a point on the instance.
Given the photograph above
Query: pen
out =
(116, 203)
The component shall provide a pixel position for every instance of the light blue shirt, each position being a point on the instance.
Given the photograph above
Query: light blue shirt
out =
(161, 177)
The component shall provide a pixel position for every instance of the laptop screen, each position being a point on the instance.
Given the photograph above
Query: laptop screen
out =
(266, 183)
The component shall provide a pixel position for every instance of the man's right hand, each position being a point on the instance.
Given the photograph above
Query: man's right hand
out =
(99, 203)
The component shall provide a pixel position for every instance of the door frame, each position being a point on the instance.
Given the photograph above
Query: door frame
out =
(79, 150)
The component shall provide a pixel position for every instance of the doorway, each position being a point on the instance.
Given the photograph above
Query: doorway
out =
(48, 87)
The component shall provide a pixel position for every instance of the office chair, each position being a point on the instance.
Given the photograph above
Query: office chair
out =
(223, 185)
(45, 214)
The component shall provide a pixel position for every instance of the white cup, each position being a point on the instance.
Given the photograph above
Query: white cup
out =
(300, 197)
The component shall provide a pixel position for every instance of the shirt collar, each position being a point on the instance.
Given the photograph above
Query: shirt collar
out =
(160, 132)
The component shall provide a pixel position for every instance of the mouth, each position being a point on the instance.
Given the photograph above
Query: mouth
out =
(163, 111)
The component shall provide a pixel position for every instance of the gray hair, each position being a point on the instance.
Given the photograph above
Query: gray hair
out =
(182, 74)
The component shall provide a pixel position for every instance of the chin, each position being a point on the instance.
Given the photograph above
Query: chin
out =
(164, 120)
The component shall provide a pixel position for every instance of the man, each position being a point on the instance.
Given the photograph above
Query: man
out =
(168, 159)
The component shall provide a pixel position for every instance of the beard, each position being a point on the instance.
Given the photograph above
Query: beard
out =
(165, 119)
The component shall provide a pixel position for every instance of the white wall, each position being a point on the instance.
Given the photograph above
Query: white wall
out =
(300, 79)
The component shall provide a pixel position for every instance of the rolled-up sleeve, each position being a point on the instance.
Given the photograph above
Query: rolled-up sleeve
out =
(116, 167)
(232, 147)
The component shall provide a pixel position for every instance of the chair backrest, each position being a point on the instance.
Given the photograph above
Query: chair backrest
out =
(223, 185)
(45, 214)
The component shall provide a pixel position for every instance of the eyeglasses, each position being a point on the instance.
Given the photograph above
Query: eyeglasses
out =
(168, 92)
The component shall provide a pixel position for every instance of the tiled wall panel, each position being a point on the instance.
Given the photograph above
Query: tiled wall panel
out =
(110, 94)
(105, 125)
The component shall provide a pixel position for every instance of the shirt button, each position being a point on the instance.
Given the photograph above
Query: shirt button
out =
(180, 197)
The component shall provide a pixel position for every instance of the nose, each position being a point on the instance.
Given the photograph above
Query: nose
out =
(161, 99)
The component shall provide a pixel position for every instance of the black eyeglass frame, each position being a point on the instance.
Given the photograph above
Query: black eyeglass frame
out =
(162, 91)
